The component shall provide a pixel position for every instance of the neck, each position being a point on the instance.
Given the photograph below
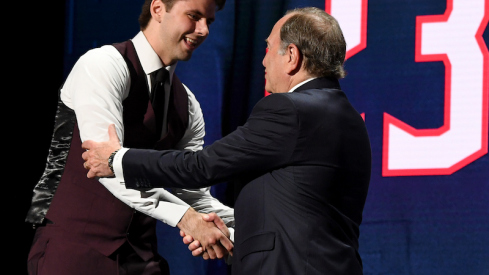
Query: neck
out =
(153, 39)
(297, 78)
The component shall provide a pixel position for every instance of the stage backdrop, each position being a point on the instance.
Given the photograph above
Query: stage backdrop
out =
(418, 71)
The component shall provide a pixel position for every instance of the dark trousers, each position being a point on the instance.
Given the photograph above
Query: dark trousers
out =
(56, 255)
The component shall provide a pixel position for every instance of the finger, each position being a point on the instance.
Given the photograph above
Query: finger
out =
(90, 174)
(85, 155)
(219, 251)
(194, 245)
(188, 239)
(225, 242)
(197, 252)
(211, 252)
(205, 255)
(182, 234)
(87, 144)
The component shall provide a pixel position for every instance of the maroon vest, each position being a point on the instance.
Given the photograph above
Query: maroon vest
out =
(83, 209)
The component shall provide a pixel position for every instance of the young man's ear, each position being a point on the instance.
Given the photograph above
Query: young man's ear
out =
(157, 9)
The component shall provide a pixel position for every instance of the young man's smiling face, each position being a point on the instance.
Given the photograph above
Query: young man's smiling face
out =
(183, 28)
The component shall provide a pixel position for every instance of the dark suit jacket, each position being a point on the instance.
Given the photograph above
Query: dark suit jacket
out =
(305, 157)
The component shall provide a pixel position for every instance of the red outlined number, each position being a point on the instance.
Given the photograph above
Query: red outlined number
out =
(456, 39)
(352, 17)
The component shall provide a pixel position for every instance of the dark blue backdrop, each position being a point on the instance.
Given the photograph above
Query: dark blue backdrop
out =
(417, 224)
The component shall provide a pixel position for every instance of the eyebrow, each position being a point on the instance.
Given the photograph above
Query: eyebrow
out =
(209, 20)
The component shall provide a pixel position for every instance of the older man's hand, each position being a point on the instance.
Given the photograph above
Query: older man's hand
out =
(194, 245)
(97, 155)
(207, 234)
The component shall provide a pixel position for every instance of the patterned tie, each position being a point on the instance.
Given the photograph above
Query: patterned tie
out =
(158, 78)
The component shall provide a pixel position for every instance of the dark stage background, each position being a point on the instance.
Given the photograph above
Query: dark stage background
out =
(418, 71)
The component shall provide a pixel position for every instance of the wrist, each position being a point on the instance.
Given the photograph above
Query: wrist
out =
(110, 161)
(186, 220)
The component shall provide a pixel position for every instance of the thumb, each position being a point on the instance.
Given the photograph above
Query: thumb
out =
(213, 217)
(219, 223)
(113, 134)
(209, 217)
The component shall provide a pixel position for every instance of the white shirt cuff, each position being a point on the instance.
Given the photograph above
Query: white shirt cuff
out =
(231, 234)
(117, 164)
(169, 213)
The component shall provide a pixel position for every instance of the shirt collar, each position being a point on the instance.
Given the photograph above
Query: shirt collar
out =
(300, 84)
(150, 61)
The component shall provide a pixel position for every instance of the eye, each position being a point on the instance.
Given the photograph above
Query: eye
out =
(194, 17)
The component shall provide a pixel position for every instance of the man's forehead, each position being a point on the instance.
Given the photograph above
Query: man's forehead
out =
(279, 24)
(284, 18)
(201, 6)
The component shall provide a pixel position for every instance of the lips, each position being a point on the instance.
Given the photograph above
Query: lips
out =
(191, 43)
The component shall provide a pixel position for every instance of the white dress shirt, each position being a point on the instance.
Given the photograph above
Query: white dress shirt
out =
(95, 89)
(117, 162)
(300, 84)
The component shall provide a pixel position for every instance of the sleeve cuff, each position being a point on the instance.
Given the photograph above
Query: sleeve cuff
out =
(170, 213)
(231, 233)
(117, 164)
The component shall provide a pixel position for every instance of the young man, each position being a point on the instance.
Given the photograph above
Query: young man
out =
(82, 228)
(304, 151)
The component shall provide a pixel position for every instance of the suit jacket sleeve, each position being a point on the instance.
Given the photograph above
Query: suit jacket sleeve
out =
(265, 142)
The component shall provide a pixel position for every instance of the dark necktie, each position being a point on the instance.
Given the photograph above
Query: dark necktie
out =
(158, 78)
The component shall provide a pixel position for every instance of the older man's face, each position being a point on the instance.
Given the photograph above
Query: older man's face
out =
(274, 63)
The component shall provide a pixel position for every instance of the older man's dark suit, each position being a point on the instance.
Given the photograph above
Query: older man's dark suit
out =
(306, 159)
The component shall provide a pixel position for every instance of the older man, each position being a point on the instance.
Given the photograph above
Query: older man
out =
(304, 155)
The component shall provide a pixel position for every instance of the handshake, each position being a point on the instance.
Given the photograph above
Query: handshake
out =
(205, 234)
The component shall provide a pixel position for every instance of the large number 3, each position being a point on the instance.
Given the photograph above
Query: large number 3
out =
(352, 16)
(456, 39)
